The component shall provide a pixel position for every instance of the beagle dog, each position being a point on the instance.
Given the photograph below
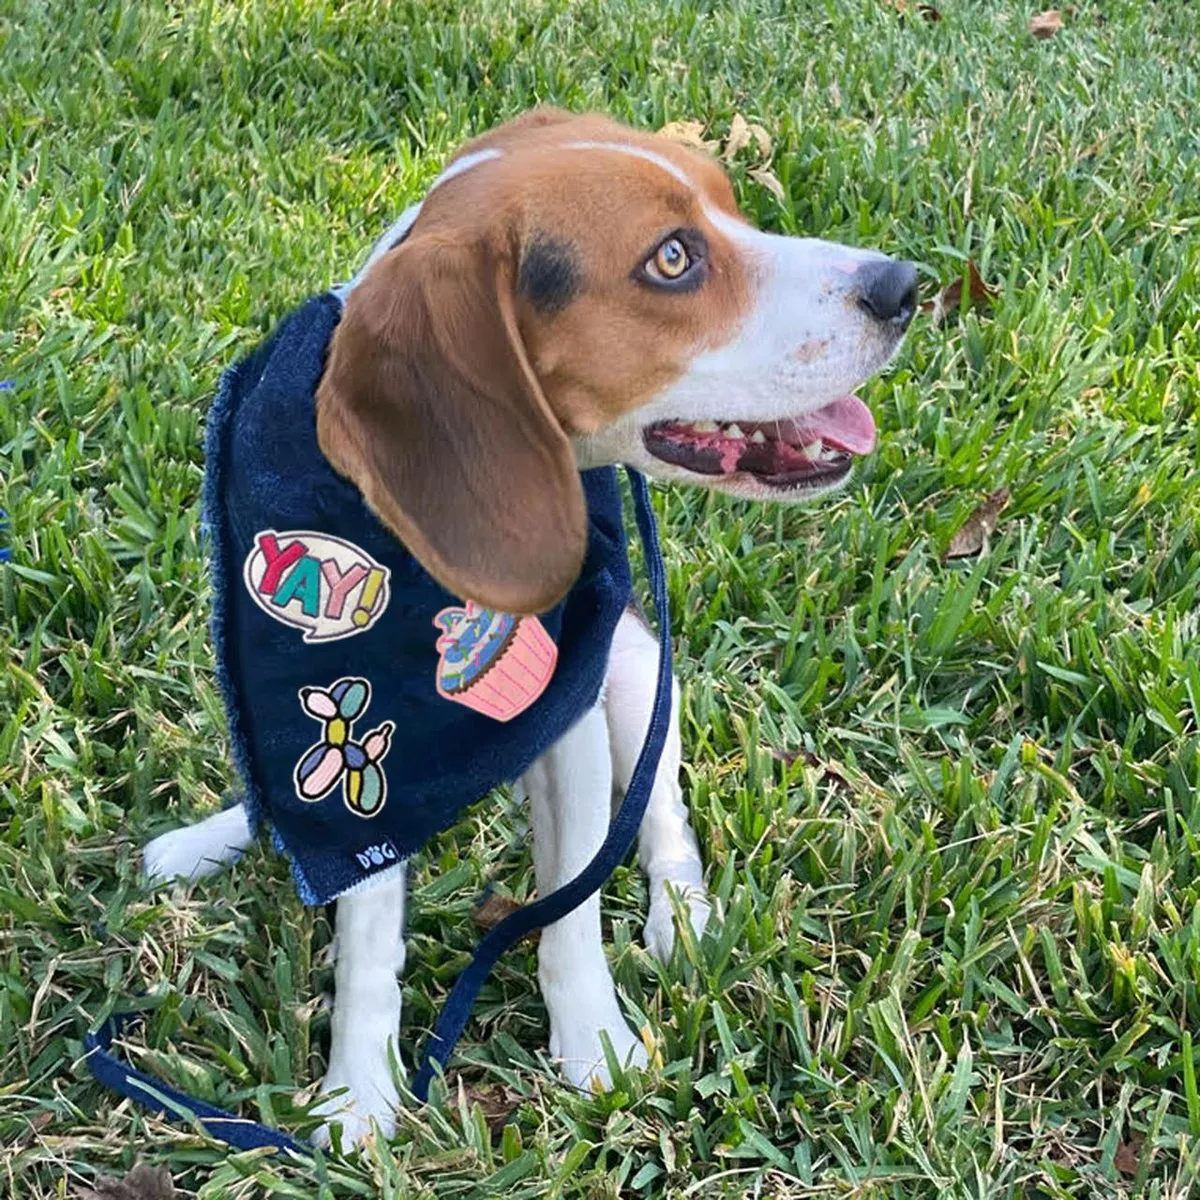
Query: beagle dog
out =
(571, 294)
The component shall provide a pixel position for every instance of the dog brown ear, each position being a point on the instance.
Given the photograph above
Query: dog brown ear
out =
(430, 407)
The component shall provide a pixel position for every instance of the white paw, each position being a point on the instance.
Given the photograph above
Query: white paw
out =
(178, 855)
(579, 1052)
(362, 1099)
(659, 931)
(197, 850)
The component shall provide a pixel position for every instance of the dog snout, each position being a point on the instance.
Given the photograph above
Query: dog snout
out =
(887, 290)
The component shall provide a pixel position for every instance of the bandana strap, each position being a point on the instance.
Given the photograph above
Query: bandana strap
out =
(170, 1102)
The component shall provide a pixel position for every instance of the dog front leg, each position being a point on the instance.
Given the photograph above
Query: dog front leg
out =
(569, 789)
(200, 849)
(667, 845)
(366, 1012)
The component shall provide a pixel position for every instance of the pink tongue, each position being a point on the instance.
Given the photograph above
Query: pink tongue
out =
(846, 424)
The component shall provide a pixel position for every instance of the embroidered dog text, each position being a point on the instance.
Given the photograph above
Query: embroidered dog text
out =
(377, 856)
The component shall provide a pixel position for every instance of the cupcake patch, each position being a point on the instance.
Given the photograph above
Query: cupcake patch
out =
(493, 662)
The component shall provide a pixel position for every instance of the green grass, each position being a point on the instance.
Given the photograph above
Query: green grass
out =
(960, 947)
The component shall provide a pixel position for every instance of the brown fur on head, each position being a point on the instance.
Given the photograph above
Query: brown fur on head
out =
(509, 320)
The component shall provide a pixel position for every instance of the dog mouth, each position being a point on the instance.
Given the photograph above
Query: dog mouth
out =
(814, 450)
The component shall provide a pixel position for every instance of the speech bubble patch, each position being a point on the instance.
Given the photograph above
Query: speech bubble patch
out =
(328, 587)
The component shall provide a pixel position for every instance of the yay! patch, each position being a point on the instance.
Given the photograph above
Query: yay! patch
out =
(326, 586)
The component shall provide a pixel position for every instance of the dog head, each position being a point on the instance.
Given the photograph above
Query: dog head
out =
(572, 293)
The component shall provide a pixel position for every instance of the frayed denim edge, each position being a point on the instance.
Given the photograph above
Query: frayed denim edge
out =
(212, 525)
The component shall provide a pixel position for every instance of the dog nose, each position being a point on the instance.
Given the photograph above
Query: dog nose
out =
(888, 290)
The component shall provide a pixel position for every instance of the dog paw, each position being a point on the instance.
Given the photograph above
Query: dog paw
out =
(358, 1104)
(659, 931)
(198, 850)
(579, 1053)
(179, 854)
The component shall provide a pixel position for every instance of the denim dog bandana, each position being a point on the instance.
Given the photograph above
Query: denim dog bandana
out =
(367, 706)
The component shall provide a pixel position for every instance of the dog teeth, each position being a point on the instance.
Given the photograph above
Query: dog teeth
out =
(812, 450)
(734, 431)
(704, 426)
(758, 437)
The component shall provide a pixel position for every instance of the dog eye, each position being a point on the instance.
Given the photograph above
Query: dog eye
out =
(679, 263)
(670, 261)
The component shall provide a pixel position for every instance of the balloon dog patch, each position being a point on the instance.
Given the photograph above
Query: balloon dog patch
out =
(337, 757)
(326, 586)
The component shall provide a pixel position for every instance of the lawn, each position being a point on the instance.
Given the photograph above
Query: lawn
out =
(950, 808)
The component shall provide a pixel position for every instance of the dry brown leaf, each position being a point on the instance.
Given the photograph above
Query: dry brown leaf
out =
(1046, 24)
(739, 136)
(766, 177)
(1128, 1154)
(950, 297)
(788, 757)
(762, 139)
(904, 7)
(36, 1124)
(690, 133)
(144, 1182)
(492, 909)
(497, 1101)
(974, 532)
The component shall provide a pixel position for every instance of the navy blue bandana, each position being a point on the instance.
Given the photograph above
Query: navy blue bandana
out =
(367, 705)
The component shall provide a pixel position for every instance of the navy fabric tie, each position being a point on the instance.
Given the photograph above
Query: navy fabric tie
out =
(161, 1098)
(167, 1101)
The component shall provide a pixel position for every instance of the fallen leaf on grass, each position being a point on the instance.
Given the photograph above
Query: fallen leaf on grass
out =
(497, 1101)
(739, 136)
(492, 909)
(40, 1120)
(1046, 24)
(690, 133)
(788, 757)
(1128, 1153)
(974, 532)
(950, 297)
(903, 7)
(762, 139)
(142, 1183)
(766, 177)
